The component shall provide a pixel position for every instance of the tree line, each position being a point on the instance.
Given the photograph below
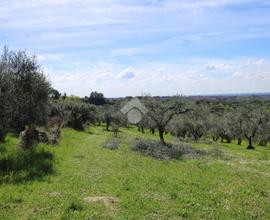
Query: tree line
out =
(32, 108)
(187, 119)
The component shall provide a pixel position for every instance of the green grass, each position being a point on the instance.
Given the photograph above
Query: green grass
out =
(51, 182)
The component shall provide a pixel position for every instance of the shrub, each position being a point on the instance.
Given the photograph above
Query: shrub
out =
(112, 144)
(188, 151)
(162, 151)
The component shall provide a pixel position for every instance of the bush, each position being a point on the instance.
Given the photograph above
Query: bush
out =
(112, 144)
(162, 151)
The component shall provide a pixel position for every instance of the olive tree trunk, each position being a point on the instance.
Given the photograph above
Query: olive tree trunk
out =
(250, 145)
(161, 134)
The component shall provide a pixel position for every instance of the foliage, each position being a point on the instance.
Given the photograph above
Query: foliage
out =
(54, 94)
(237, 126)
(264, 132)
(178, 127)
(146, 122)
(80, 114)
(29, 89)
(162, 111)
(196, 122)
(253, 120)
(214, 126)
(221, 126)
(118, 120)
(96, 98)
(5, 98)
(225, 127)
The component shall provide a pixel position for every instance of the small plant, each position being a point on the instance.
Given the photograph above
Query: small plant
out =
(112, 144)
(115, 129)
(75, 205)
(173, 195)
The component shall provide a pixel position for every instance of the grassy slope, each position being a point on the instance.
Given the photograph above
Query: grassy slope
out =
(234, 187)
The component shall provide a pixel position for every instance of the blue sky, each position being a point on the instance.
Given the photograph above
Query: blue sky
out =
(128, 47)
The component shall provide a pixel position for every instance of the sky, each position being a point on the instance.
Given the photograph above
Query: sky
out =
(135, 47)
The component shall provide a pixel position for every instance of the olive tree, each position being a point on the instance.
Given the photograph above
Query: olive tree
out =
(151, 125)
(226, 127)
(220, 126)
(161, 111)
(252, 123)
(30, 90)
(145, 122)
(118, 120)
(5, 98)
(196, 122)
(80, 114)
(264, 131)
(237, 128)
(24, 95)
(178, 126)
(214, 126)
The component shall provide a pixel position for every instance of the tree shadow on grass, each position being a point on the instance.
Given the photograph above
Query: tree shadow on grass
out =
(2, 148)
(20, 166)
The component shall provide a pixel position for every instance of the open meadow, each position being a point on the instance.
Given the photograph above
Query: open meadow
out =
(80, 179)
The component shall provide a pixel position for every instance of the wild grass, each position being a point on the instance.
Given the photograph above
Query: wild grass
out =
(52, 182)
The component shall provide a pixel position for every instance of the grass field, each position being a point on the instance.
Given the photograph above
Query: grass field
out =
(60, 182)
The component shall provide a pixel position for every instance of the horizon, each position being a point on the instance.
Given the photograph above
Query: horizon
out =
(195, 95)
(162, 47)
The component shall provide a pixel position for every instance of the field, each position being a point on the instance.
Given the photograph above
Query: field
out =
(79, 179)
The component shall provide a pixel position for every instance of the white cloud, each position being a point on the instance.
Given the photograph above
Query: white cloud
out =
(165, 79)
(218, 66)
(126, 47)
(260, 62)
